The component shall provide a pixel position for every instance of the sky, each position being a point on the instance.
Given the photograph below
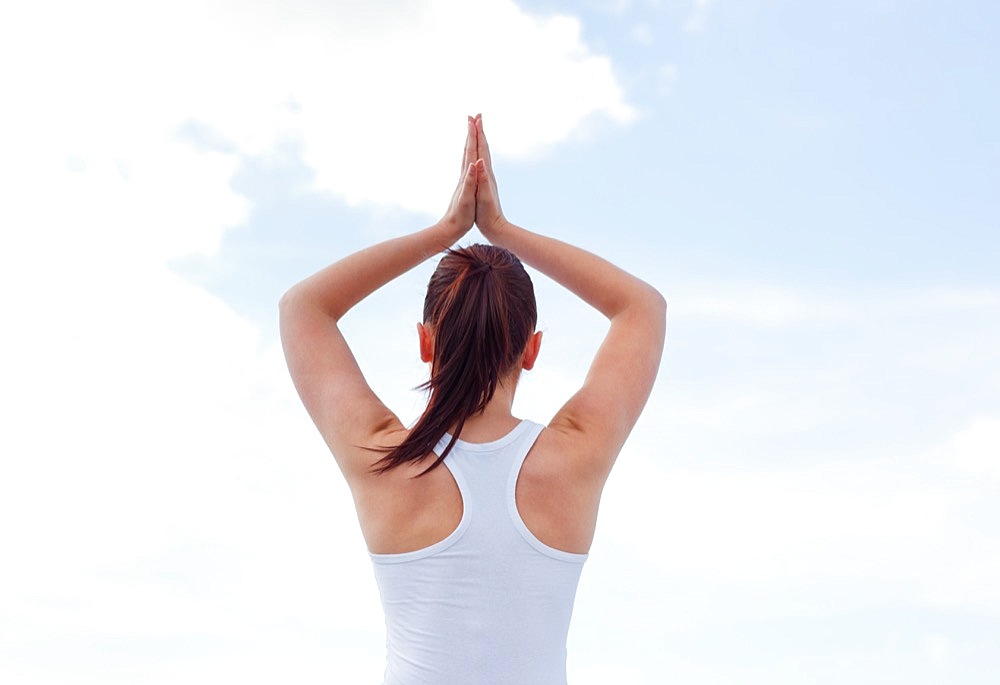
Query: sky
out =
(811, 493)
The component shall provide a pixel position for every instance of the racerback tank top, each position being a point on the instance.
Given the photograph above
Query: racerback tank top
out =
(490, 604)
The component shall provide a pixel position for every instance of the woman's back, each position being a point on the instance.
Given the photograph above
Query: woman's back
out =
(558, 501)
(489, 602)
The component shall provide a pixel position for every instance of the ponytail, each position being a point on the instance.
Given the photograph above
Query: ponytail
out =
(480, 308)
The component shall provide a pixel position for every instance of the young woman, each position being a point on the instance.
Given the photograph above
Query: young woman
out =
(477, 522)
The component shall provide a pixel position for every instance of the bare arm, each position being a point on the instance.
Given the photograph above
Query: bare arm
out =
(327, 376)
(599, 417)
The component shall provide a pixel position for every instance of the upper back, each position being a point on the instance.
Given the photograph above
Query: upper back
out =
(556, 496)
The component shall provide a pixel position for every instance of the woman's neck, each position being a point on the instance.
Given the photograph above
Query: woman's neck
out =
(496, 420)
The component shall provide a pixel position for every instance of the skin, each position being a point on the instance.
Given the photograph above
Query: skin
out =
(559, 488)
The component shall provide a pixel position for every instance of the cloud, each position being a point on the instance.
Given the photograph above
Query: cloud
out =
(793, 463)
(807, 539)
(975, 449)
(757, 304)
(161, 483)
(374, 93)
(770, 304)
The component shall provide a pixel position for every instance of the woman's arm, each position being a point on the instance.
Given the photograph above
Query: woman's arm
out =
(599, 417)
(327, 376)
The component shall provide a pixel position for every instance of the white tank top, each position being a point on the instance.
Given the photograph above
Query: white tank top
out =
(490, 604)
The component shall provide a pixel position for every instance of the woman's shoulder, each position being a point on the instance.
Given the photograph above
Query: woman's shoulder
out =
(558, 492)
(566, 454)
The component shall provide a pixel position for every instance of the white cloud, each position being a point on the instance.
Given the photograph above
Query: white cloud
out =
(376, 94)
(160, 483)
(783, 460)
(806, 540)
(975, 449)
(937, 647)
(756, 304)
(769, 304)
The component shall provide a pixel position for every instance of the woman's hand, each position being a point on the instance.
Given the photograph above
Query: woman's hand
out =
(489, 216)
(461, 212)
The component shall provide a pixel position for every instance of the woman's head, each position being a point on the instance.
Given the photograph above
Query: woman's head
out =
(479, 314)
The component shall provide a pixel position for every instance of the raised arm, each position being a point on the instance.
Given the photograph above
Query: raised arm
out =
(327, 376)
(599, 417)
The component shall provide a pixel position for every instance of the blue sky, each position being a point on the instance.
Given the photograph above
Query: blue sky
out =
(811, 495)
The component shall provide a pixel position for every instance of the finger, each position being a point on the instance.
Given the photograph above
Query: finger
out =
(470, 143)
(466, 191)
(468, 181)
(486, 186)
(466, 185)
(484, 173)
(482, 146)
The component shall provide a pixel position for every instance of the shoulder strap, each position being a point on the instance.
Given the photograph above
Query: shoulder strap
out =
(524, 444)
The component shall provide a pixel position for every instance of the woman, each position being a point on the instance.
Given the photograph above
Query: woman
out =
(477, 562)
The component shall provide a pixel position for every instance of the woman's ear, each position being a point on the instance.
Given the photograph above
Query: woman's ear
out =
(531, 350)
(426, 343)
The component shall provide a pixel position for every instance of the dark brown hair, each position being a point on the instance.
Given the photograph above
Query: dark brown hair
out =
(480, 308)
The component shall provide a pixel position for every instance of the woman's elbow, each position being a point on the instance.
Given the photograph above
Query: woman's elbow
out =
(656, 308)
(290, 303)
(654, 300)
(285, 301)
